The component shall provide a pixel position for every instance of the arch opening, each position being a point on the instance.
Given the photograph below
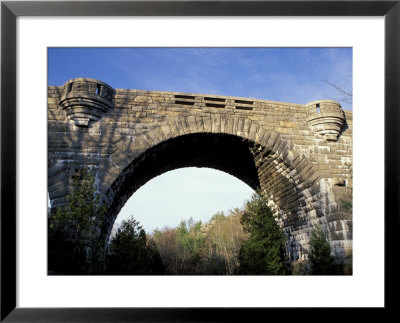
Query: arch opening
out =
(287, 178)
(227, 153)
(184, 193)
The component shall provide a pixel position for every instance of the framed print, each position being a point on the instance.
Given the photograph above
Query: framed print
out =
(30, 30)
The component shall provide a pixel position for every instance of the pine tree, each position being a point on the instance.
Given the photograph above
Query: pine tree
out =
(320, 254)
(190, 244)
(131, 253)
(264, 251)
(74, 231)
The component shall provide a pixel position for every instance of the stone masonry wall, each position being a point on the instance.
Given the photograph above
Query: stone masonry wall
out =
(302, 153)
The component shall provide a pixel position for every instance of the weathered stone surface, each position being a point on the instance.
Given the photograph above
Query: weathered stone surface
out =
(299, 155)
(86, 100)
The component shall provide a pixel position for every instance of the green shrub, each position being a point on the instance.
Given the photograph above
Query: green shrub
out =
(320, 256)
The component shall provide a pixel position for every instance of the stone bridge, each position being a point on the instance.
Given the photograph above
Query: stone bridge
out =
(299, 155)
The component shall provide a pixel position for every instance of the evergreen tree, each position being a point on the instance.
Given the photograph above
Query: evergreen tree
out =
(263, 252)
(190, 243)
(320, 254)
(74, 231)
(131, 253)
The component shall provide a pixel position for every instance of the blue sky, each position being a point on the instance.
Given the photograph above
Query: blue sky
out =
(294, 75)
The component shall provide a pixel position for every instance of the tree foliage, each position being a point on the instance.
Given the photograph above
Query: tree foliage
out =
(165, 240)
(201, 249)
(130, 252)
(190, 243)
(263, 253)
(224, 237)
(245, 241)
(74, 231)
(320, 256)
(181, 248)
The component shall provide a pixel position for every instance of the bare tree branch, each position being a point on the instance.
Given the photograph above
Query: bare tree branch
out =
(344, 95)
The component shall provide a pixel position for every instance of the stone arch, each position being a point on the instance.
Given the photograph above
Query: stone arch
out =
(262, 159)
(301, 155)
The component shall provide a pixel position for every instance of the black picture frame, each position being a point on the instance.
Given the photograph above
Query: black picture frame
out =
(10, 10)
